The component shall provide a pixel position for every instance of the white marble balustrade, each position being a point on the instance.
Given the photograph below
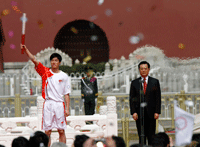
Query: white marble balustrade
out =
(104, 125)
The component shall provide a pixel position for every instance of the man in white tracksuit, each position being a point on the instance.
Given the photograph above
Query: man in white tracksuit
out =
(55, 85)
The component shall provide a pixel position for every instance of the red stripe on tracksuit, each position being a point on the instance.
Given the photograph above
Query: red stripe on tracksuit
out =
(42, 114)
(64, 113)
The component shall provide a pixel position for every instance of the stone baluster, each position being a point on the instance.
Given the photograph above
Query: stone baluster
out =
(31, 67)
(59, 52)
(41, 55)
(40, 102)
(70, 62)
(169, 84)
(107, 68)
(34, 124)
(64, 60)
(196, 105)
(116, 83)
(77, 61)
(56, 50)
(111, 116)
(122, 62)
(67, 58)
(103, 110)
(131, 59)
(51, 50)
(45, 54)
(99, 101)
(33, 111)
(12, 86)
(164, 81)
(37, 55)
(115, 65)
(127, 84)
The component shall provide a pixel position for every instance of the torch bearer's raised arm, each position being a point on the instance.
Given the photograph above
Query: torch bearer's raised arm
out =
(24, 19)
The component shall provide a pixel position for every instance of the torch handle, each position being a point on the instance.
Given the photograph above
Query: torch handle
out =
(23, 42)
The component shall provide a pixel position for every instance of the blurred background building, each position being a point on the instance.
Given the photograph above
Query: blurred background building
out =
(103, 29)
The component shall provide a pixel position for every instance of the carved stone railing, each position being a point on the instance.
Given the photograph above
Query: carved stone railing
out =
(104, 125)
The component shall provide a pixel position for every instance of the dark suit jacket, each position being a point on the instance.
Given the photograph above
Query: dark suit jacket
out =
(87, 86)
(152, 97)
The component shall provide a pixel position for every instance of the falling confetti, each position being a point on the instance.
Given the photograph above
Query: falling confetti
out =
(181, 46)
(5, 12)
(40, 23)
(13, 3)
(86, 59)
(41, 26)
(141, 36)
(92, 18)
(10, 34)
(94, 38)
(41, 144)
(59, 12)
(134, 39)
(74, 30)
(144, 104)
(100, 2)
(15, 8)
(12, 46)
(108, 12)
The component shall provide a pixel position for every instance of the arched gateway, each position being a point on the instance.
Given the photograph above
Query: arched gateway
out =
(81, 38)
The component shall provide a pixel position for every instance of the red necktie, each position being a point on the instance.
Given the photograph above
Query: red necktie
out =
(144, 85)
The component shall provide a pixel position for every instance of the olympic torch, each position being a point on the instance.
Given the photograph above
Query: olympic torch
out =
(24, 20)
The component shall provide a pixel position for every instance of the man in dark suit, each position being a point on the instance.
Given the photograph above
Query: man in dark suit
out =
(89, 91)
(151, 101)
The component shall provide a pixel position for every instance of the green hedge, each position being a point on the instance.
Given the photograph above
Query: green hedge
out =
(100, 67)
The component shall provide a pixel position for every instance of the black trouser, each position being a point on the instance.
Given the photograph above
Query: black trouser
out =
(89, 107)
(149, 127)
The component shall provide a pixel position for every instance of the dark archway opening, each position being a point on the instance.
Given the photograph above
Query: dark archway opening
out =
(81, 38)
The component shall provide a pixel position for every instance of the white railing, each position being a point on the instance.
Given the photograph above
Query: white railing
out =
(13, 83)
(104, 125)
(115, 82)
(174, 74)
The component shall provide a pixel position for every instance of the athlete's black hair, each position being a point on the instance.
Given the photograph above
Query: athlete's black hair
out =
(57, 56)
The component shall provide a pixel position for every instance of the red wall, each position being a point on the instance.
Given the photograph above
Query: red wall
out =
(164, 23)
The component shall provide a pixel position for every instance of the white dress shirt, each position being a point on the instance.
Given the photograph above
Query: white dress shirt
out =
(147, 77)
